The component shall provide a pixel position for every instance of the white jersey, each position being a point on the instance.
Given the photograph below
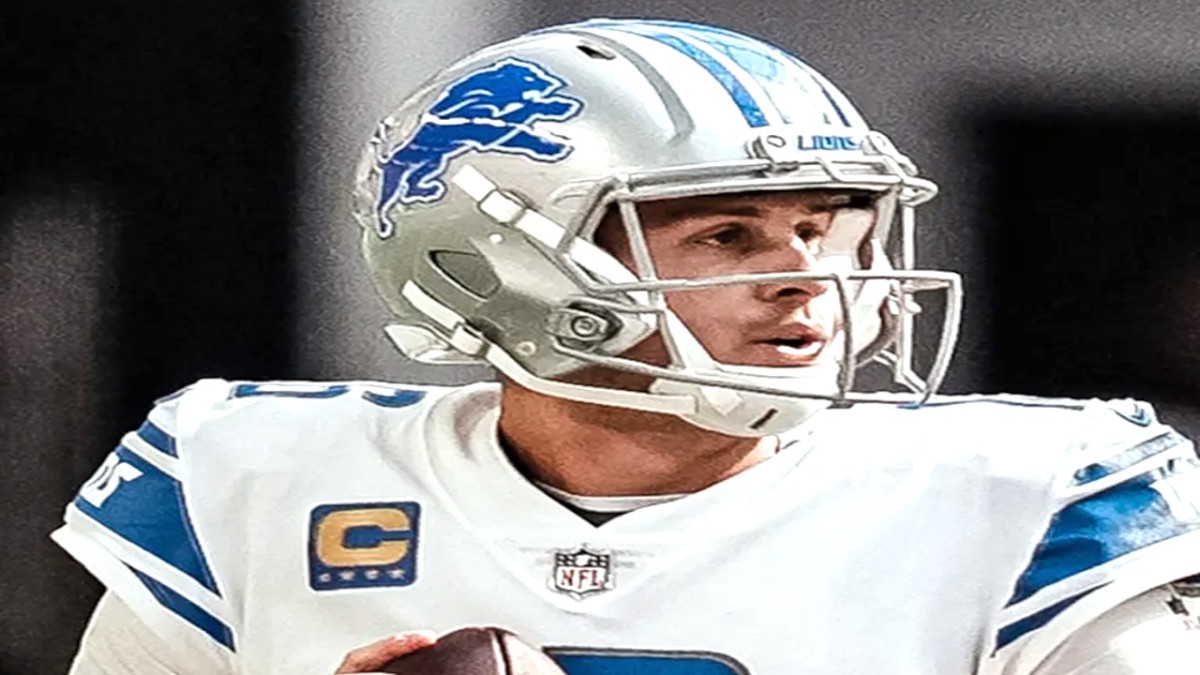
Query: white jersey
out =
(288, 523)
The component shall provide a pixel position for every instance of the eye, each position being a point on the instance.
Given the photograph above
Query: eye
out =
(810, 231)
(812, 235)
(725, 236)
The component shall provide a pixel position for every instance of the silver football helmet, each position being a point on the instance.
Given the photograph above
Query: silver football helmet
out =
(479, 197)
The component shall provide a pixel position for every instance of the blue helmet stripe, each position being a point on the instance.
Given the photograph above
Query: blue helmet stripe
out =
(741, 96)
(751, 54)
(824, 90)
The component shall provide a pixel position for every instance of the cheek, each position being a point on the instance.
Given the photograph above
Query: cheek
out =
(711, 314)
(716, 303)
(697, 266)
(828, 301)
(827, 308)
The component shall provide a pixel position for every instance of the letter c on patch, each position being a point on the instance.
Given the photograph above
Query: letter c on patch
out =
(385, 532)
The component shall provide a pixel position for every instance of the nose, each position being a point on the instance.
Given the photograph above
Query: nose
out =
(792, 256)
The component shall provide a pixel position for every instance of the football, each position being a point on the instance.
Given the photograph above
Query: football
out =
(477, 650)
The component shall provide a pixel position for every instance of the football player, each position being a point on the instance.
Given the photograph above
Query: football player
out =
(684, 251)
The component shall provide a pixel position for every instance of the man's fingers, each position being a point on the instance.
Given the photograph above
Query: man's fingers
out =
(367, 658)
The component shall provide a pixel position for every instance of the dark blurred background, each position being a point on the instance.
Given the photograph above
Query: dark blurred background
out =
(172, 182)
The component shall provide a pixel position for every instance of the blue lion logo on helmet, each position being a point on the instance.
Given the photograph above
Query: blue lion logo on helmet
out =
(490, 110)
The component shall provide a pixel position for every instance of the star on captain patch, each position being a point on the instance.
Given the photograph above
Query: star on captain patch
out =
(582, 572)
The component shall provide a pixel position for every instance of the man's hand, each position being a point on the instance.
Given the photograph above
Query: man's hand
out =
(367, 658)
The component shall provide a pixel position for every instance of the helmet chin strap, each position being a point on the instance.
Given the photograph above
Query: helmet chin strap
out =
(744, 413)
(720, 409)
(741, 413)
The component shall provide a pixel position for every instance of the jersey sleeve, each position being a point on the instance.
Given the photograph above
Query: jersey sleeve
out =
(1125, 519)
(132, 525)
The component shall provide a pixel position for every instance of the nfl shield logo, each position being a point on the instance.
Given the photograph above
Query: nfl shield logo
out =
(582, 572)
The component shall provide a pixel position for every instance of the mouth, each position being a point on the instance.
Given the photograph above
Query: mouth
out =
(801, 347)
(792, 345)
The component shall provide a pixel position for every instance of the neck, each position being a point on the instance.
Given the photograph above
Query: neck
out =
(597, 450)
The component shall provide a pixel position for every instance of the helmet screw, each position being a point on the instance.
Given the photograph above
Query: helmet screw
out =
(585, 326)
(525, 348)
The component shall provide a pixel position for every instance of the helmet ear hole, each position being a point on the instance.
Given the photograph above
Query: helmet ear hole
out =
(469, 270)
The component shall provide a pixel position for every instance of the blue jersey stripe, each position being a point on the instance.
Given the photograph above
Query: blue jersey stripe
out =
(746, 103)
(188, 611)
(1127, 458)
(1124, 518)
(148, 511)
(1036, 620)
(156, 437)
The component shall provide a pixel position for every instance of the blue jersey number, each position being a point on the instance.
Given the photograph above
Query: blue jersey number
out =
(581, 661)
(388, 397)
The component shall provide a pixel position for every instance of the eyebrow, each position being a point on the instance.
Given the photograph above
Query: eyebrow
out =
(712, 209)
(716, 208)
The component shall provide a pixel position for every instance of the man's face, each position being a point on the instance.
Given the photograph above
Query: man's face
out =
(789, 323)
